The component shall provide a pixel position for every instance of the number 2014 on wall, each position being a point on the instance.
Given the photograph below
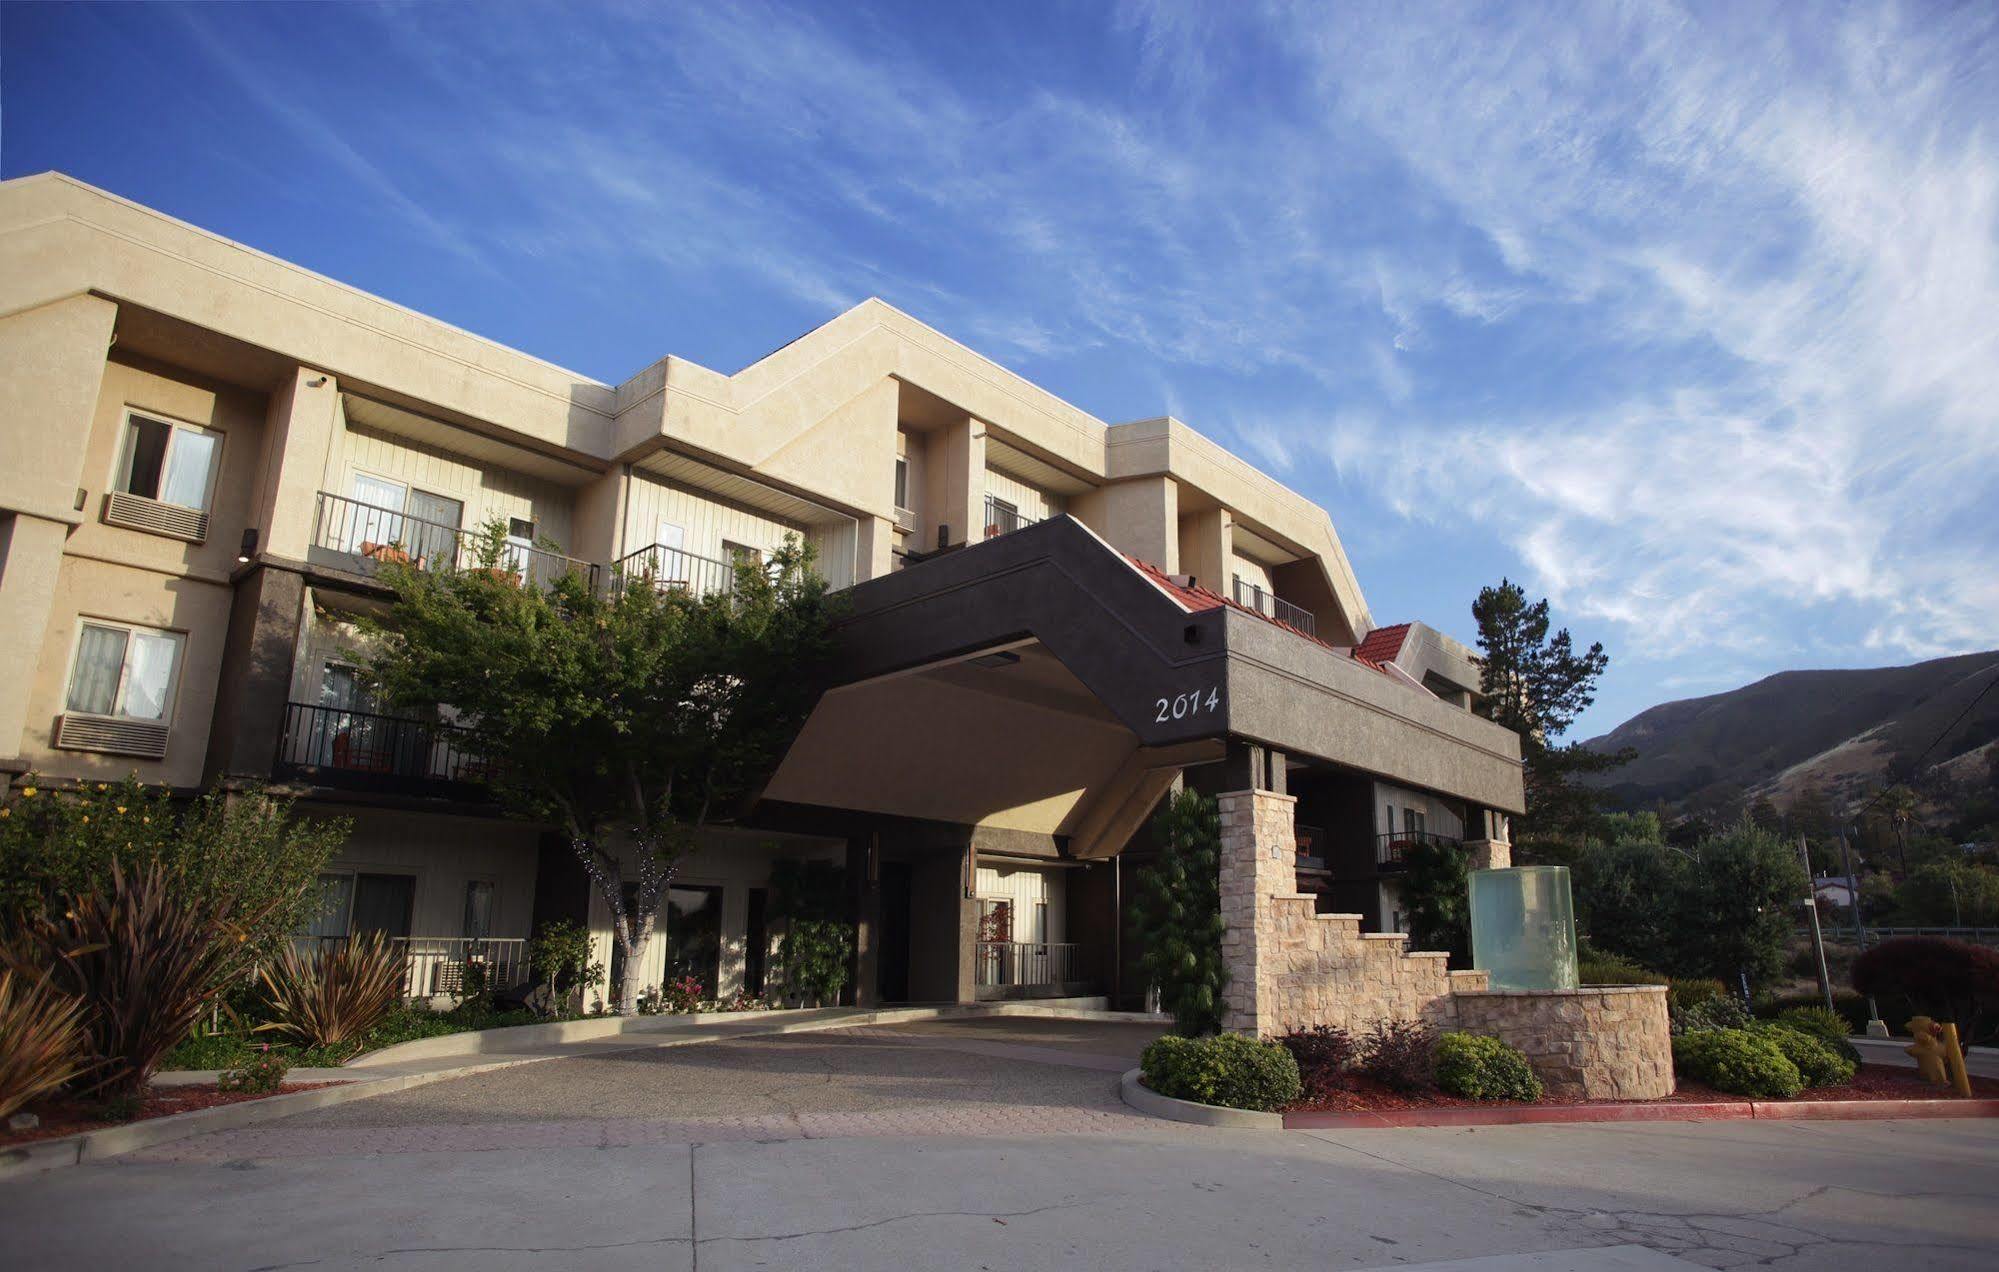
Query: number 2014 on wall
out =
(1184, 705)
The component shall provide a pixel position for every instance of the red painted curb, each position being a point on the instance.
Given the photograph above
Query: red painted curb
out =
(1560, 1114)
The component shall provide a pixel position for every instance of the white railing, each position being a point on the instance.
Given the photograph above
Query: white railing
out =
(435, 966)
(1026, 963)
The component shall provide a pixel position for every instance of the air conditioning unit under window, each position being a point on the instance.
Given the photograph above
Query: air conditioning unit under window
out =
(136, 512)
(114, 734)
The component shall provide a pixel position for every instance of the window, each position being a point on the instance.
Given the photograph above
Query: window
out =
(742, 554)
(169, 462)
(336, 900)
(1412, 821)
(124, 671)
(902, 483)
(694, 935)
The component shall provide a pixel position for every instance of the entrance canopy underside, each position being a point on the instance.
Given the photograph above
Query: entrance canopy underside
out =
(1041, 682)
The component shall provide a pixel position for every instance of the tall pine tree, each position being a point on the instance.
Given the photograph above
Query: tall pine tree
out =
(1178, 914)
(1537, 684)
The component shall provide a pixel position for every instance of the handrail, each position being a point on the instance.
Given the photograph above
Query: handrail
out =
(678, 568)
(377, 534)
(1389, 845)
(1252, 596)
(352, 747)
(1026, 962)
(1002, 518)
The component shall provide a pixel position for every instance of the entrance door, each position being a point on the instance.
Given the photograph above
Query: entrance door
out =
(756, 943)
(892, 963)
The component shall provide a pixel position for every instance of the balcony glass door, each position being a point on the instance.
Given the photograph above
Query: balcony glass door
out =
(433, 529)
(346, 732)
(376, 523)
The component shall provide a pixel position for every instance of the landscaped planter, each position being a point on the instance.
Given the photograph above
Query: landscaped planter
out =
(1877, 1091)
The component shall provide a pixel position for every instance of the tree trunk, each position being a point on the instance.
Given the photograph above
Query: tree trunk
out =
(635, 952)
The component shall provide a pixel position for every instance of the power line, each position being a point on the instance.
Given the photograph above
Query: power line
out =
(1934, 743)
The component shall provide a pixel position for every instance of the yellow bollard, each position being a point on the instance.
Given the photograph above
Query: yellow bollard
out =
(1928, 1050)
(1953, 1059)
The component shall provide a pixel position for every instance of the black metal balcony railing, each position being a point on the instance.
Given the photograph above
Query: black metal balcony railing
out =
(1026, 963)
(374, 535)
(1003, 518)
(1389, 847)
(1251, 596)
(364, 750)
(672, 568)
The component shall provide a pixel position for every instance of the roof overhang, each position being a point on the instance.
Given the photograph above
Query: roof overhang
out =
(1026, 672)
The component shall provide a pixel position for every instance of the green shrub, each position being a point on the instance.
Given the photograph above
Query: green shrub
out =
(1827, 1026)
(1736, 1061)
(1692, 992)
(1601, 967)
(1818, 1063)
(209, 1051)
(262, 1073)
(1478, 1068)
(1725, 1012)
(1228, 1070)
(1851, 1007)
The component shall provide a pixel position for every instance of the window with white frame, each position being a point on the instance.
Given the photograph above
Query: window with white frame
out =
(478, 909)
(902, 483)
(168, 461)
(124, 671)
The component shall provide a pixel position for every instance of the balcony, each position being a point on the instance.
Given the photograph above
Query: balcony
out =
(1311, 842)
(367, 751)
(1252, 597)
(671, 569)
(369, 536)
(1025, 965)
(1390, 847)
(1003, 518)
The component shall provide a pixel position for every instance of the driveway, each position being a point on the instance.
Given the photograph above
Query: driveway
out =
(945, 1146)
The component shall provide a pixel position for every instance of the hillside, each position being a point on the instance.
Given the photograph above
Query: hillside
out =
(1836, 728)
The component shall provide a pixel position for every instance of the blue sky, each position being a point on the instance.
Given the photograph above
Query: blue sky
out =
(1687, 318)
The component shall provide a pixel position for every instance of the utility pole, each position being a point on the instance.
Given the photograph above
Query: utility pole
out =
(1876, 1027)
(1818, 937)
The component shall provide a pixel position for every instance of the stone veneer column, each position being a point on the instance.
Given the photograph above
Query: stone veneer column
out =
(1258, 862)
(1489, 854)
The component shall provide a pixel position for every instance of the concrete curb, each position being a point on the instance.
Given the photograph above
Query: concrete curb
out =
(1147, 1100)
(113, 1141)
(646, 1031)
(1575, 1114)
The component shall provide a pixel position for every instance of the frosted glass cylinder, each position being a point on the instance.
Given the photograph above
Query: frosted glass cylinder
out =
(1523, 927)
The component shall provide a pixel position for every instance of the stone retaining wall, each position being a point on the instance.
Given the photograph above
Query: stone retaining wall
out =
(1291, 968)
(1601, 1042)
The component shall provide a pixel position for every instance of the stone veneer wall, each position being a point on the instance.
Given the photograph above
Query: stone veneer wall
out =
(1601, 1042)
(1290, 967)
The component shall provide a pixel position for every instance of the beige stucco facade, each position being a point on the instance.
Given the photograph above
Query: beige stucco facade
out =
(329, 414)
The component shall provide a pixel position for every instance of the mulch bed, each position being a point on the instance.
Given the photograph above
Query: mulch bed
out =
(1870, 1082)
(72, 1117)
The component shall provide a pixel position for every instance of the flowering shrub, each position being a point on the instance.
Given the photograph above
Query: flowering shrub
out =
(743, 1001)
(682, 995)
(262, 1073)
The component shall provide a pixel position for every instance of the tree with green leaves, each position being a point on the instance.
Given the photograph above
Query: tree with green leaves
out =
(631, 715)
(1177, 911)
(1536, 684)
(1435, 888)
